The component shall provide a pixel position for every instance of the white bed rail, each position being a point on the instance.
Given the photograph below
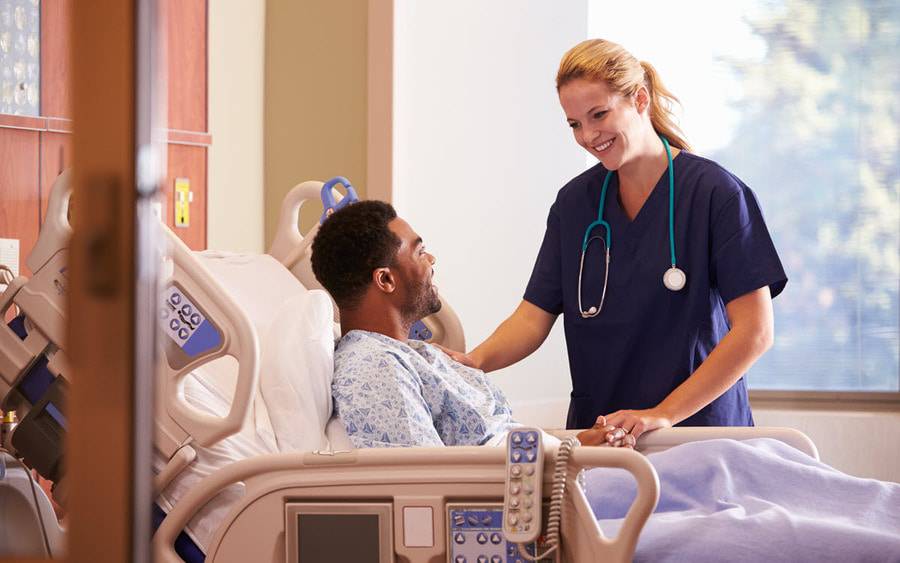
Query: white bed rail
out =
(431, 468)
(177, 423)
(665, 438)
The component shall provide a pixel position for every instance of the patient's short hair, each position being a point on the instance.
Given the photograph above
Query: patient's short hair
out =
(350, 245)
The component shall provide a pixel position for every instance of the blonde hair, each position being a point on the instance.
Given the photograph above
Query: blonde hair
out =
(599, 59)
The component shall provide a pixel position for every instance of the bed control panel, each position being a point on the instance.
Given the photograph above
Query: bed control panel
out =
(476, 536)
(190, 333)
(524, 477)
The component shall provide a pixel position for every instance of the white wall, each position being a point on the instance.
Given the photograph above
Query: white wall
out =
(235, 165)
(480, 149)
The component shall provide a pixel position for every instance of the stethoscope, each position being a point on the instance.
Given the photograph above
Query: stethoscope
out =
(674, 278)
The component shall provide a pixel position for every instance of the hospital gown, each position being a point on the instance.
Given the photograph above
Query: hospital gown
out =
(393, 393)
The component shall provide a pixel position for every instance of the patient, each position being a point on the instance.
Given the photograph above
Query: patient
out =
(389, 390)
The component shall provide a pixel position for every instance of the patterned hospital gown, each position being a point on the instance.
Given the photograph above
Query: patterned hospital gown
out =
(392, 393)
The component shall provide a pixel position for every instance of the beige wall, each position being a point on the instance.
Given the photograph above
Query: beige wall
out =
(315, 86)
(235, 166)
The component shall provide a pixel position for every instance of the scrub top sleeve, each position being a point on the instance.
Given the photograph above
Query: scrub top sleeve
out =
(544, 288)
(744, 258)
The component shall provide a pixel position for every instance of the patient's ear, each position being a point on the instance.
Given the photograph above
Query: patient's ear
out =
(384, 280)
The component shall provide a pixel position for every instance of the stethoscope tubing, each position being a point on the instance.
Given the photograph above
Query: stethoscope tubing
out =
(600, 222)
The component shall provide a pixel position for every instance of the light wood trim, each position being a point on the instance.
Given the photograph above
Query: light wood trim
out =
(59, 125)
(825, 400)
(27, 122)
(35, 123)
(101, 340)
(380, 85)
(191, 138)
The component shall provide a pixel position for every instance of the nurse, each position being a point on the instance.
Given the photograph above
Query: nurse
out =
(661, 329)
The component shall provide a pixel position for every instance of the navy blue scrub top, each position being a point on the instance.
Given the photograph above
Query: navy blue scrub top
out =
(647, 339)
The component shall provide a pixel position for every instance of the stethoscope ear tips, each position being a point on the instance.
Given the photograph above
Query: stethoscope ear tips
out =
(674, 279)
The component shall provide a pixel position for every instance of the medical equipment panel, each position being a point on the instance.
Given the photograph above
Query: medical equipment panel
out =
(475, 535)
(326, 532)
(191, 334)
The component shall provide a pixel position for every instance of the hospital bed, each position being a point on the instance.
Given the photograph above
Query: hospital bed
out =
(253, 482)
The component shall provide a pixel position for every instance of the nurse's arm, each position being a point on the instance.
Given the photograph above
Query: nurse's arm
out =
(752, 334)
(516, 338)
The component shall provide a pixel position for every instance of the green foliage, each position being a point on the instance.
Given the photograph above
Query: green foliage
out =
(819, 142)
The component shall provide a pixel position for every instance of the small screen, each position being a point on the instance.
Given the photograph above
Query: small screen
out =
(326, 538)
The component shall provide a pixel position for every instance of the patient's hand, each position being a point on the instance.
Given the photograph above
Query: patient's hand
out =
(603, 434)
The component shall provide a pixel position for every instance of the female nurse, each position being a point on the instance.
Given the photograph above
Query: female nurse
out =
(662, 329)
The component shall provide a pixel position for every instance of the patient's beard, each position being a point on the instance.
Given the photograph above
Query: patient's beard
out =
(423, 301)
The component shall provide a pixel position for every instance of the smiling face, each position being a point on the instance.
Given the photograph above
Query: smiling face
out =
(611, 126)
(414, 267)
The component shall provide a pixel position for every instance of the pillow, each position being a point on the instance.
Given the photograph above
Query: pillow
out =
(296, 370)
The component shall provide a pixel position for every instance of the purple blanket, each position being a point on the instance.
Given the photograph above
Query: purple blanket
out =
(755, 500)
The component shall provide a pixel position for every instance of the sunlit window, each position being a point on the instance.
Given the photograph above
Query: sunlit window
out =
(801, 100)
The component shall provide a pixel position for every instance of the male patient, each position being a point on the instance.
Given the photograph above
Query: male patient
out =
(389, 390)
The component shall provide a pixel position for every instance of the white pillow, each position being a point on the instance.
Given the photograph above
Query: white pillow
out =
(296, 371)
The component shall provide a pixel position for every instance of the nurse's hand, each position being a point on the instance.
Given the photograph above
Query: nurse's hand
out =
(636, 422)
(460, 357)
(603, 434)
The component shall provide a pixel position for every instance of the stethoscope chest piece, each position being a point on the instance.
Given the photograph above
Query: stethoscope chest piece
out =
(674, 279)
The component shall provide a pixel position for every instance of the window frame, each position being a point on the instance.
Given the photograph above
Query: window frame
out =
(870, 401)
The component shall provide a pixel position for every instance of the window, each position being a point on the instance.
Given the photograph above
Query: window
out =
(801, 100)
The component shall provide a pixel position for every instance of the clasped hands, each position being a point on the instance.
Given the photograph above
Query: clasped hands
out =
(621, 429)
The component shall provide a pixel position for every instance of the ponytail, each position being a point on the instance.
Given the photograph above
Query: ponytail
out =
(661, 114)
(599, 59)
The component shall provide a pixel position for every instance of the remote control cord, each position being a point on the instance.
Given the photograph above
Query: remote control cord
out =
(557, 495)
